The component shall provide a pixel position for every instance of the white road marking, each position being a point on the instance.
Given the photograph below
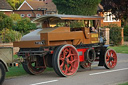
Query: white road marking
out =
(108, 71)
(44, 82)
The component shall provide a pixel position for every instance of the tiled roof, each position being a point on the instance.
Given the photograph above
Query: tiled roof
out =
(48, 1)
(50, 6)
(36, 4)
(4, 5)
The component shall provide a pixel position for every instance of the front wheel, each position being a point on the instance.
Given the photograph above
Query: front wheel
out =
(110, 59)
(2, 73)
(65, 60)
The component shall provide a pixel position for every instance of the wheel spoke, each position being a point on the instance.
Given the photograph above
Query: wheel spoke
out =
(66, 68)
(62, 64)
(107, 60)
(70, 62)
(62, 59)
(110, 53)
(69, 69)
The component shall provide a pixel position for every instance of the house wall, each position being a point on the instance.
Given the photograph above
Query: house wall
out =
(32, 12)
(8, 13)
(108, 23)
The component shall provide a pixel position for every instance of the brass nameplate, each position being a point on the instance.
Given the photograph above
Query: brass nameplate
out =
(94, 35)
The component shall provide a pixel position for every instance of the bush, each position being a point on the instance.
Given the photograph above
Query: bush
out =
(24, 26)
(8, 35)
(77, 24)
(125, 38)
(115, 34)
(15, 17)
(5, 21)
(126, 30)
(8, 22)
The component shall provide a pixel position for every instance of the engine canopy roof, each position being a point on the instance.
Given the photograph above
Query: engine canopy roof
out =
(60, 17)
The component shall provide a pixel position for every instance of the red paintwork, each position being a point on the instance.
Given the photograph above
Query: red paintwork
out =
(68, 60)
(81, 57)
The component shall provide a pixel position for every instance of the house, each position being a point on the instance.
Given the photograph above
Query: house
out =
(109, 18)
(36, 8)
(5, 7)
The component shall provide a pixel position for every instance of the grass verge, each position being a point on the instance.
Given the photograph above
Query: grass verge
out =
(124, 83)
(19, 71)
(121, 49)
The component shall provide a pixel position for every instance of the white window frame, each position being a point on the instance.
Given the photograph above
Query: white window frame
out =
(22, 15)
(109, 17)
(29, 15)
(38, 15)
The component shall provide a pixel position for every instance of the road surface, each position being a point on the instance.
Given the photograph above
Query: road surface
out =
(95, 76)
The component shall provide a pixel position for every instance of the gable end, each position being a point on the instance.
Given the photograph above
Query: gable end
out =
(25, 2)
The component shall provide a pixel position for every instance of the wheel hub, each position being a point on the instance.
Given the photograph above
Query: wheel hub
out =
(65, 61)
(111, 58)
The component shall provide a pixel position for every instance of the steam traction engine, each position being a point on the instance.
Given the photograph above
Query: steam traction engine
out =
(64, 48)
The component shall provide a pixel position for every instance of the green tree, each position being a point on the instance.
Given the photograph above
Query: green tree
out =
(5, 21)
(115, 34)
(9, 35)
(15, 17)
(24, 26)
(2, 16)
(15, 3)
(8, 22)
(77, 7)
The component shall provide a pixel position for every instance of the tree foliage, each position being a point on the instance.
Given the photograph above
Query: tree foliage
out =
(24, 26)
(118, 7)
(5, 21)
(9, 35)
(15, 3)
(15, 17)
(115, 34)
(77, 7)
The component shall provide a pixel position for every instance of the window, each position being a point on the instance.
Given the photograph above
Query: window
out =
(38, 15)
(109, 17)
(22, 15)
(29, 15)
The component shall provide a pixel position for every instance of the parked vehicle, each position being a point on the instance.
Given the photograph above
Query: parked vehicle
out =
(6, 58)
(64, 48)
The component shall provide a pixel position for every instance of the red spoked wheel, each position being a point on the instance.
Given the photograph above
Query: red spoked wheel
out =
(110, 59)
(85, 65)
(65, 60)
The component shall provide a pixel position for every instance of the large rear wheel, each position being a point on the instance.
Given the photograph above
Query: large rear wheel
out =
(2, 73)
(65, 60)
(34, 65)
(110, 59)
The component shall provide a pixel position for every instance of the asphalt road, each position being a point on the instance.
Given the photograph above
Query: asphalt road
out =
(95, 76)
